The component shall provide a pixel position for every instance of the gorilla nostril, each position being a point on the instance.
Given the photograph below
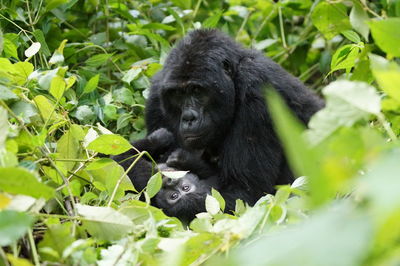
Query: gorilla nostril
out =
(189, 116)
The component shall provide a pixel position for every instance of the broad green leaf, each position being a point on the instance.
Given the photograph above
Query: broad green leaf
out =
(212, 205)
(387, 75)
(386, 34)
(351, 35)
(154, 184)
(306, 242)
(104, 222)
(359, 19)
(40, 38)
(57, 87)
(174, 174)
(218, 197)
(58, 56)
(211, 22)
(84, 114)
(52, 240)
(291, 134)
(13, 226)
(107, 172)
(158, 26)
(22, 72)
(330, 18)
(51, 4)
(98, 60)
(6, 94)
(345, 57)
(123, 95)
(91, 85)
(346, 103)
(19, 181)
(68, 147)
(131, 74)
(46, 109)
(110, 144)
(9, 48)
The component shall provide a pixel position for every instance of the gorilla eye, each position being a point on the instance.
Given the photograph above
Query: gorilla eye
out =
(186, 188)
(174, 195)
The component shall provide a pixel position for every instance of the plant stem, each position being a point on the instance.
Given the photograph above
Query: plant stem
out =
(33, 248)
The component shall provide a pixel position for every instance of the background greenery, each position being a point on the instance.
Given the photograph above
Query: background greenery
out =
(72, 72)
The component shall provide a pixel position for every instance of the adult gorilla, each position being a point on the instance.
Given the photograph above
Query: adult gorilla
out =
(209, 95)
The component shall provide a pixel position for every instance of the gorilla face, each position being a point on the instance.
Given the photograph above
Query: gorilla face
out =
(199, 110)
(183, 197)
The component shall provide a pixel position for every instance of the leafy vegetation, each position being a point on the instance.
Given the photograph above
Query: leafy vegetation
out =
(74, 76)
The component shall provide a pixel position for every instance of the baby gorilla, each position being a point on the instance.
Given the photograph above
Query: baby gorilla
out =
(183, 197)
(179, 197)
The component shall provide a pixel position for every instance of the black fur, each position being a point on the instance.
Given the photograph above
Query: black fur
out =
(210, 84)
(158, 145)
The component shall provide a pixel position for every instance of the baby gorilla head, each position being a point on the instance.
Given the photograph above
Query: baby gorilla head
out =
(182, 197)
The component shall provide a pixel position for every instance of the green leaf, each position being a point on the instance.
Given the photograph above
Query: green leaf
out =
(131, 74)
(57, 87)
(359, 19)
(91, 85)
(291, 133)
(58, 56)
(211, 22)
(212, 205)
(110, 144)
(51, 240)
(98, 60)
(68, 147)
(13, 226)
(330, 19)
(40, 38)
(218, 197)
(19, 181)
(352, 36)
(9, 48)
(46, 109)
(345, 57)
(386, 34)
(22, 72)
(6, 93)
(154, 184)
(51, 4)
(158, 26)
(387, 75)
(104, 222)
(84, 114)
(346, 103)
(351, 229)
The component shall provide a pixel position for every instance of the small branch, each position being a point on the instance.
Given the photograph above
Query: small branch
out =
(122, 177)
(281, 27)
(33, 248)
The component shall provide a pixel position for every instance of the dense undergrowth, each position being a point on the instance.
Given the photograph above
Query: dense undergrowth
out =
(74, 76)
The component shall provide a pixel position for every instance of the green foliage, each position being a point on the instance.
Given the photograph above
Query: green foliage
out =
(74, 76)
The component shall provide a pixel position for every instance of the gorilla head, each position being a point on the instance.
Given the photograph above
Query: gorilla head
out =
(182, 197)
(197, 91)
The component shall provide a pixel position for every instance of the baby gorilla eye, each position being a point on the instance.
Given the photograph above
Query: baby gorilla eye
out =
(186, 188)
(174, 195)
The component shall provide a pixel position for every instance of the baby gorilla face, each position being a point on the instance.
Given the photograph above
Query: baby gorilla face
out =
(181, 197)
